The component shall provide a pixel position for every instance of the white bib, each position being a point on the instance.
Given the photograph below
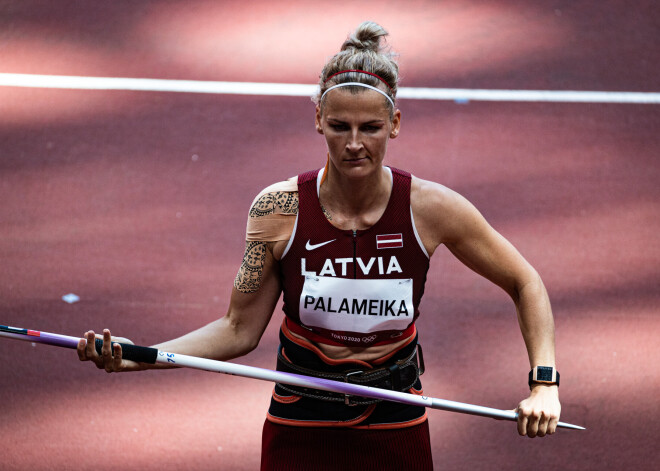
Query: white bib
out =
(349, 305)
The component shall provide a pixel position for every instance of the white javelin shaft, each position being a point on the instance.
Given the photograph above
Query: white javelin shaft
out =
(337, 386)
(151, 355)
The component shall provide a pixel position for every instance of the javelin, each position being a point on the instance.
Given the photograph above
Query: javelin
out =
(153, 356)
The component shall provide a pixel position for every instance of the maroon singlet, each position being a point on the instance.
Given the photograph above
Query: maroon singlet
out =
(354, 288)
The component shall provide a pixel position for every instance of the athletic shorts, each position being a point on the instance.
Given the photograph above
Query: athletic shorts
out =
(313, 434)
(288, 448)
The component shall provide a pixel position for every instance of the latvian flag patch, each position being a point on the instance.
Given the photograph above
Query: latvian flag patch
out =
(389, 241)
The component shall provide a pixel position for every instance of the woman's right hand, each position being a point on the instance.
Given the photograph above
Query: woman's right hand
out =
(110, 358)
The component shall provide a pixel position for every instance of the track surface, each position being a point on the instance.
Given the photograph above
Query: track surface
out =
(136, 202)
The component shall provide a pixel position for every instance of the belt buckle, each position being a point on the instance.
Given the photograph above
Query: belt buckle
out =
(347, 397)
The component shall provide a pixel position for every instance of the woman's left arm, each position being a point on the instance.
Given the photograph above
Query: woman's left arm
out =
(444, 217)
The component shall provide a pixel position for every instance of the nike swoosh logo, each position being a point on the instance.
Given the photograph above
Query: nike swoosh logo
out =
(309, 246)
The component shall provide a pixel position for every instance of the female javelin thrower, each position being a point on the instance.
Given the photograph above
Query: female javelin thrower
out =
(349, 247)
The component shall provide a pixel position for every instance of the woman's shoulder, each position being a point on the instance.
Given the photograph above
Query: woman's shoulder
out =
(278, 198)
(269, 219)
(440, 213)
(429, 194)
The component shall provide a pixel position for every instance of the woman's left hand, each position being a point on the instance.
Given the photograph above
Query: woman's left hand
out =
(539, 413)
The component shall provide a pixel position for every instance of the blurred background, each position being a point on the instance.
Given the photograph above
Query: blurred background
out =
(136, 202)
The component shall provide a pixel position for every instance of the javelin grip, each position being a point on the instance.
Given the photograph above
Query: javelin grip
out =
(132, 352)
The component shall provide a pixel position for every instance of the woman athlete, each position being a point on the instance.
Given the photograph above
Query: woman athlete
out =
(348, 247)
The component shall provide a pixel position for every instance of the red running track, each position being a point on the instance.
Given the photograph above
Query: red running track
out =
(137, 202)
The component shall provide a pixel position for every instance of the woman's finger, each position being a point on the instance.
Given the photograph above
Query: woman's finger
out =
(552, 425)
(522, 423)
(116, 362)
(542, 426)
(533, 424)
(90, 351)
(106, 351)
(82, 343)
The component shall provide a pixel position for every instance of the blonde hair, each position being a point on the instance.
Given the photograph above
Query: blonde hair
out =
(364, 50)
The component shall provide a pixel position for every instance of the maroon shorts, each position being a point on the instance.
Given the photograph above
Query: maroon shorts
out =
(290, 448)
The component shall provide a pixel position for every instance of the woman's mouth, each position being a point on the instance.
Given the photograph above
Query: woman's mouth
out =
(356, 159)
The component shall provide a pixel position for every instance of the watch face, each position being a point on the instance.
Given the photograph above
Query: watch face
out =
(543, 373)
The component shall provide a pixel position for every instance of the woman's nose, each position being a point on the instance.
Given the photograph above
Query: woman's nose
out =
(354, 142)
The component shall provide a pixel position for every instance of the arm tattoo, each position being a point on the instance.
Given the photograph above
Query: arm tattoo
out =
(248, 279)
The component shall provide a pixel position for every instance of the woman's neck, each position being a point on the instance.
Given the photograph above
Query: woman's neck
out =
(353, 198)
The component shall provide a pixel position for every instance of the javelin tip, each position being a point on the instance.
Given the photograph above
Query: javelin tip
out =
(571, 426)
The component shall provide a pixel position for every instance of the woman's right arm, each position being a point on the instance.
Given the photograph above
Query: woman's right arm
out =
(234, 335)
(253, 299)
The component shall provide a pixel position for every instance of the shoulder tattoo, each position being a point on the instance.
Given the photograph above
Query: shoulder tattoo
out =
(282, 202)
(248, 279)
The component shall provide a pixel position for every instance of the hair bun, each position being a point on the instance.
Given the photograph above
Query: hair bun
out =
(364, 58)
(367, 36)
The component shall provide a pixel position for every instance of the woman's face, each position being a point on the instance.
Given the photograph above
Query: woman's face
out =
(357, 127)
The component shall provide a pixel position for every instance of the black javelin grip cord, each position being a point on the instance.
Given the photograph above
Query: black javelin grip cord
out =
(153, 356)
(132, 352)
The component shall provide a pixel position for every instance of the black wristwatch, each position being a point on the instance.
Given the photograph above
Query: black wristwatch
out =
(543, 375)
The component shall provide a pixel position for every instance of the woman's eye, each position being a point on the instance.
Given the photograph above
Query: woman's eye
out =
(344, 127)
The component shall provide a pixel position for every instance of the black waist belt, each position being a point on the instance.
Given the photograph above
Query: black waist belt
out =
(398, 375)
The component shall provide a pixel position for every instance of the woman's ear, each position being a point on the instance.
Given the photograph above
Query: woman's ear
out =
(317, 120)
(396, 124)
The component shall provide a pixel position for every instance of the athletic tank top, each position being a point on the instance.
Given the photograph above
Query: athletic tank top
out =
(353, 288)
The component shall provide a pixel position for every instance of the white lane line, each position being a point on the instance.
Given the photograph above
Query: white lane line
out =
(293, 89)
(156, 85)
(529, 95)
